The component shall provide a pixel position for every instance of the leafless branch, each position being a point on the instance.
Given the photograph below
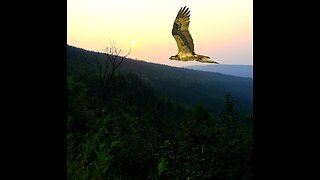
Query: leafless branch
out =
(112, 53)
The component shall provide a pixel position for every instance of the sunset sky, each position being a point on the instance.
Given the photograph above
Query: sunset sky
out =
(221, 29)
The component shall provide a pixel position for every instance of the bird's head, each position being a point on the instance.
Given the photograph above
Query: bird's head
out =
(174, 57)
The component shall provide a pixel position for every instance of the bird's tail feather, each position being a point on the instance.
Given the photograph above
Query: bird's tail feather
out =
(205, 59)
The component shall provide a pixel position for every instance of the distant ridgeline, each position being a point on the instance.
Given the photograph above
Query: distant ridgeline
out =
(235, 70)
(180, 84)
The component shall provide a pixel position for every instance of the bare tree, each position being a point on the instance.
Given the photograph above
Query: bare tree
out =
(108, 63)
(113, 54)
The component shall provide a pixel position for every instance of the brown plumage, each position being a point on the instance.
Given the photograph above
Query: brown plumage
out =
(181, 34)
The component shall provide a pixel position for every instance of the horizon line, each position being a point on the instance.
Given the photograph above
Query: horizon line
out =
(139, 59)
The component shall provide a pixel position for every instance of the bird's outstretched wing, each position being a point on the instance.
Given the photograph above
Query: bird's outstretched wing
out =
(181, 33)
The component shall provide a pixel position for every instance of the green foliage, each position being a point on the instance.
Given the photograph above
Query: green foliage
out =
(229, 103)
(92, 161)
(162, 165)
(131, 130)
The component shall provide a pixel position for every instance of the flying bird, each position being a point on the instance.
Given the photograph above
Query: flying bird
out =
(184, 40)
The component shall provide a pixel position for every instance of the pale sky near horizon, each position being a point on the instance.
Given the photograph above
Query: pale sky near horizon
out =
(221, 29)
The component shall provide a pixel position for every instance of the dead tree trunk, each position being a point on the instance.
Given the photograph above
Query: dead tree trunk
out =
(108, 64)
(113, 54)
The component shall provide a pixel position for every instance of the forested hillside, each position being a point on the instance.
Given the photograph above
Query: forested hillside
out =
(155, 122)
(185, 85)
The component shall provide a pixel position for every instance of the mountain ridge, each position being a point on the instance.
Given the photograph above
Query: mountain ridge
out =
(240, 70)
(180, 83)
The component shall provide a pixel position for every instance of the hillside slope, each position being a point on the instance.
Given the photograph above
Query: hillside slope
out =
(181, 84)
(229, 69)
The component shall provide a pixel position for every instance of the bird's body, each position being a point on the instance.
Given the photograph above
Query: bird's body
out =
(184, 40)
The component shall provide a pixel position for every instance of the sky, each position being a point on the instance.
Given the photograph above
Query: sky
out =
(221, 29)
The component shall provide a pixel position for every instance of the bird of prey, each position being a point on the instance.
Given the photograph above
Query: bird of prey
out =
(184, 40)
